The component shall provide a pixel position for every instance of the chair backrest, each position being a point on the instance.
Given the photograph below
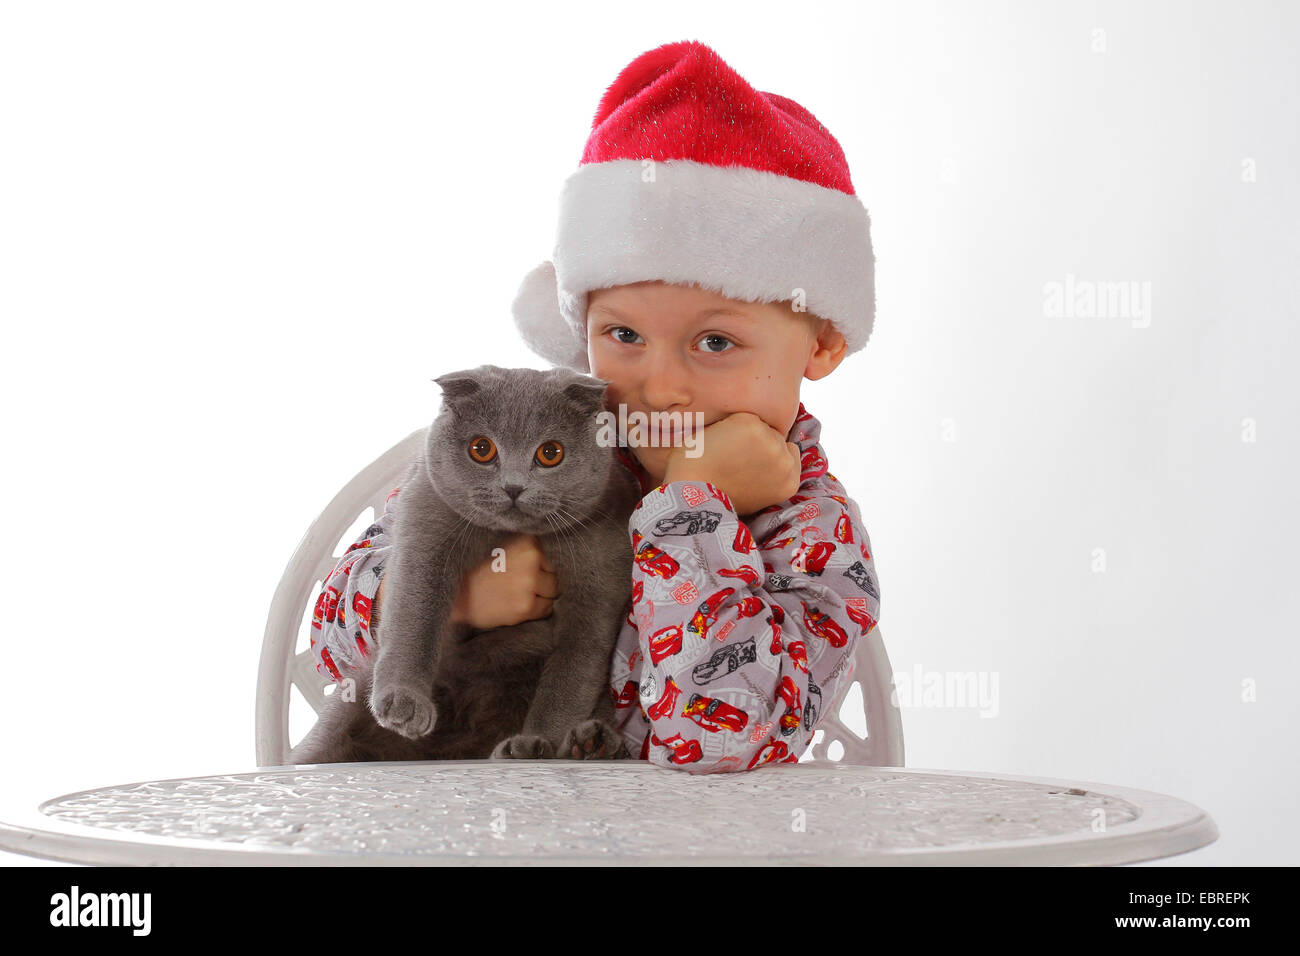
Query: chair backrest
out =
(282, 667)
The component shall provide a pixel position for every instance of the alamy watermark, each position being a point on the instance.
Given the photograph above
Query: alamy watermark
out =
(959, 689)
(1086, 299)
(653, 430)
(75, 908)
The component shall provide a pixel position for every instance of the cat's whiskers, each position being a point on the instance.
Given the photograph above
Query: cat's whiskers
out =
(462, 530)
(574, 520)
(602, 513)
(566, 513)
(561, 532)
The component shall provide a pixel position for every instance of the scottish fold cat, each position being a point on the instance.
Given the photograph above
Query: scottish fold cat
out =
(511, 450)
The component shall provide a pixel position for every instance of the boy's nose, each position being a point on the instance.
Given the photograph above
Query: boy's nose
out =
(666, 384)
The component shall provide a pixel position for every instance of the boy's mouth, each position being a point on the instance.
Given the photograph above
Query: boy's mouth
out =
(672, 434)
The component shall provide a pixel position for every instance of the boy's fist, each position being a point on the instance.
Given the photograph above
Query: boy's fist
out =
(744, 456)
(525, 590)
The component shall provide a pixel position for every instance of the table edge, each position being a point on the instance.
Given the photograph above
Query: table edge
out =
(1166, 826)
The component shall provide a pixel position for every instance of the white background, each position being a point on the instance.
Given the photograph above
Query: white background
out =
(237, 241)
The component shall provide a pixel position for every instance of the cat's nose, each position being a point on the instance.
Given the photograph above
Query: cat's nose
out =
(513, 490)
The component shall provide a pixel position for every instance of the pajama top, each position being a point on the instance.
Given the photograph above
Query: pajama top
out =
(737, 634)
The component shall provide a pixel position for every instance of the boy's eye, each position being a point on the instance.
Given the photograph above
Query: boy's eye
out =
(712, 344)
(623, 328)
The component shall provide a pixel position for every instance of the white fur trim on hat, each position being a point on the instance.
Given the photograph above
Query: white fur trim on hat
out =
(543, 326)
(747, 234)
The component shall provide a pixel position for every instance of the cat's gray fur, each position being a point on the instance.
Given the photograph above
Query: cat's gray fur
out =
(535, 689)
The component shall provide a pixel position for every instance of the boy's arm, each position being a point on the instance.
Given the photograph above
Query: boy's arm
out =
(343, 624)
(743, 646)
(349, 609)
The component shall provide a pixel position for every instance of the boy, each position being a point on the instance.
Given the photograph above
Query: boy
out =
(711, 254)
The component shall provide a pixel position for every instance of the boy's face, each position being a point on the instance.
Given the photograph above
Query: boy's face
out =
(673, 348)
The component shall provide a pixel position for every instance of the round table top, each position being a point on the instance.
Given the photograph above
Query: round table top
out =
(583, 812)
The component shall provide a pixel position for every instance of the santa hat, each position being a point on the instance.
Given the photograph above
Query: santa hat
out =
(691, 176)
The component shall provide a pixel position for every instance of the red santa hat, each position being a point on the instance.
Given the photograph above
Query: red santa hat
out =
(691, 176)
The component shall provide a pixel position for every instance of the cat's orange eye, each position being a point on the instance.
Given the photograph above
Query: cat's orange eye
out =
(549, 453)
(482, 450)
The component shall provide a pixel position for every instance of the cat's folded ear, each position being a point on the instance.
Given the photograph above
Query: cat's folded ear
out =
(458, 385)
(588, 393)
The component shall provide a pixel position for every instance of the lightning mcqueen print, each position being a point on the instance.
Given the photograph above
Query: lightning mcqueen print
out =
(736, 632)
(739, 631)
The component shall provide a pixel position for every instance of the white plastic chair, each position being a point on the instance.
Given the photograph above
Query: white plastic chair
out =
(312, 562)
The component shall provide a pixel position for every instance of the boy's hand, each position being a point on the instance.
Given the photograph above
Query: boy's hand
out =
(487, 599)
(524, 591)
(744, 456)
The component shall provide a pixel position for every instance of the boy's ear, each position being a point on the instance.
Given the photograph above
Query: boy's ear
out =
(828, 350)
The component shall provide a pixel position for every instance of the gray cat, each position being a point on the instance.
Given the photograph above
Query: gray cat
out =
(511, 451)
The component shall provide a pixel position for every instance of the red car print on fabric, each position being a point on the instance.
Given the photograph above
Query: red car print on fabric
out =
(823, 625)
(714, 715)
(665, 642)
(744, 541)
(787, 627)
(775, 647)
(773, 751)
(331, 603)
(651, 560)
(858, 613)
(790, 694)
(812, 559)
(328, 660)
(774, 621)
(720, 495)
(708, 612)
(627, 697)
(667, 701)
(362, 605)
(683, 751)
(744, 573)
(367, 543)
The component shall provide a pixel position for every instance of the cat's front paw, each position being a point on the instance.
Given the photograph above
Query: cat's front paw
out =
(593, 740)
(404, 710)
(523, 746)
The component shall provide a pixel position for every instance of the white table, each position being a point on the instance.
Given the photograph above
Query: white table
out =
(616, 812)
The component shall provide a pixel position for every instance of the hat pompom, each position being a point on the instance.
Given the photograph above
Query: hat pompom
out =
(541, 323)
